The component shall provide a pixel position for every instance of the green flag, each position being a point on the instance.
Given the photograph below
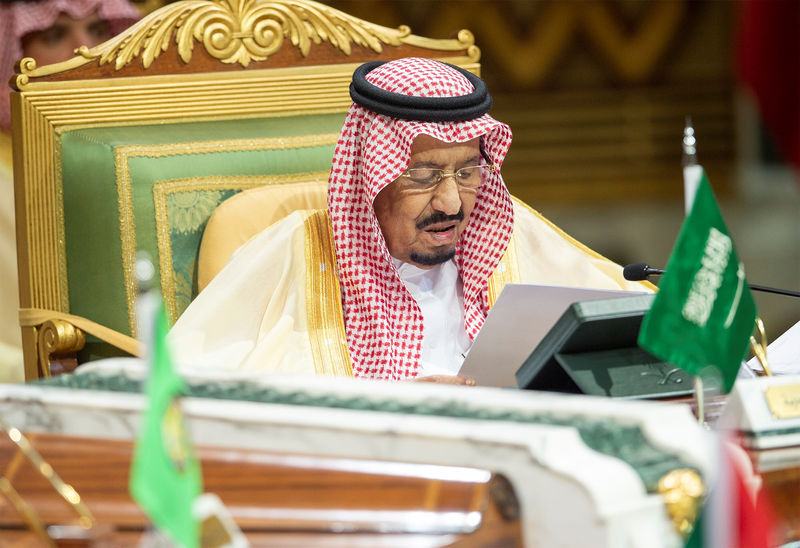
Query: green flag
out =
(703, 314)
(165, 476)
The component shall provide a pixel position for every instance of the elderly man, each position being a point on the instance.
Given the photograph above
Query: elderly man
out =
(395, 280)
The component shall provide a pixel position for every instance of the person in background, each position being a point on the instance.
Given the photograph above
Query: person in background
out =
(49, 31)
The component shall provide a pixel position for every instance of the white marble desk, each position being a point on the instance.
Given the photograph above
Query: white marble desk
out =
(570, 494)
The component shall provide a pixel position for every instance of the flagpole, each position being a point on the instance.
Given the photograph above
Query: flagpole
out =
(692, 171)
(165, 477)
(691, 179)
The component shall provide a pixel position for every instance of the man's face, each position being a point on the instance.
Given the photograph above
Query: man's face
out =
(58, 42)
(422, 227)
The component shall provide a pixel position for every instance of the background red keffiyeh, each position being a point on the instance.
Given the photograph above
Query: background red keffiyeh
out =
(382, 320)
(20, 18)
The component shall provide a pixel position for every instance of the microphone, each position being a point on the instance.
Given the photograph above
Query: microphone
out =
(640, 271)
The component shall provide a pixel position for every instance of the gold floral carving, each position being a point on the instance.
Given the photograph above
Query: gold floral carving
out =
(243, 31)
(683, 492)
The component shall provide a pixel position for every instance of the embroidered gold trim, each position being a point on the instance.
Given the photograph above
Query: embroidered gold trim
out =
(324, 314)
(507, 271)
(572, 240)
(124, 154)
(61, 251)
(163, 189)
(127, 233)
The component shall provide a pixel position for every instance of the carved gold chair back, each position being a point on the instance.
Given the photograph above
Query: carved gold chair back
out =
(132, 144)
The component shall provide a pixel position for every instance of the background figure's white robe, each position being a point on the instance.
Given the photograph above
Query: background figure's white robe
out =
(253, 314)
(11, 369)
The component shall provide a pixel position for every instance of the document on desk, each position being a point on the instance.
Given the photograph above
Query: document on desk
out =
(783, 354)
(519, 319)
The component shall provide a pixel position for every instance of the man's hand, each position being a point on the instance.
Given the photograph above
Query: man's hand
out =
(446, 379)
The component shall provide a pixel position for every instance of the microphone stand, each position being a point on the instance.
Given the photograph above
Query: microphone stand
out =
(645, 271)
(774, 290)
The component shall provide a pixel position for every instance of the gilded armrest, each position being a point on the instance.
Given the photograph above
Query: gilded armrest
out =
(57, 336)
(58, 341)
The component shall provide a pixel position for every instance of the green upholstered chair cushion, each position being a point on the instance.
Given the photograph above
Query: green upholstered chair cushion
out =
(152, 188)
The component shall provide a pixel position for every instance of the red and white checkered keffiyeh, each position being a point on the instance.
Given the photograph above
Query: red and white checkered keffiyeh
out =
(382, 319)
(20, 18)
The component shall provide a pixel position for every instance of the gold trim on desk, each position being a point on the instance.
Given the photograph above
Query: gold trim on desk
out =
(783, 400)
(682, 491)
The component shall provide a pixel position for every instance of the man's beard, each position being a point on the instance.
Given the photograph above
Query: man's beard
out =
(440, 257)
(434, 258)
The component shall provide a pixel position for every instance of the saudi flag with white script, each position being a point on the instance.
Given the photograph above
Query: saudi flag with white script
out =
(703, 314)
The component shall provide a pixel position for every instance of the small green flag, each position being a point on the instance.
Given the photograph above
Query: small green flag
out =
(703, 314)
(165, 475)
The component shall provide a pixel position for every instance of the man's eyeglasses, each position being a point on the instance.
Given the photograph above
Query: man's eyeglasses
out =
(468, 177)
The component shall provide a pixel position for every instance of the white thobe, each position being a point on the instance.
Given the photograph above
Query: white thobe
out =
(438, 292)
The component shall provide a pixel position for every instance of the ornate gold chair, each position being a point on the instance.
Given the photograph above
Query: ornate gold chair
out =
(131, 145)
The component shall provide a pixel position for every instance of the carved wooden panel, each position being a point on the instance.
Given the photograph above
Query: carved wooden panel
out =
(276, 499)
